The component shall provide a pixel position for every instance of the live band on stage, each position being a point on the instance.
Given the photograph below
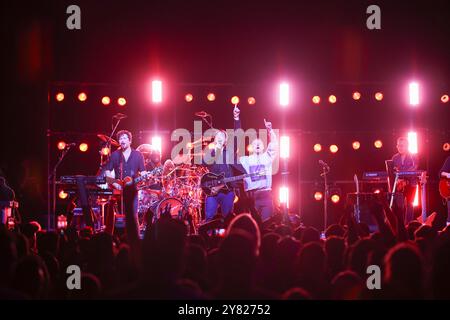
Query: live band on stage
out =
(136, 186)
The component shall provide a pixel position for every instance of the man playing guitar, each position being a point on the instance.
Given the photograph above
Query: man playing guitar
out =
(444, 175)
(124, 165)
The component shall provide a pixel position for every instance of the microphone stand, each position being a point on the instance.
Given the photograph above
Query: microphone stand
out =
(325, 171)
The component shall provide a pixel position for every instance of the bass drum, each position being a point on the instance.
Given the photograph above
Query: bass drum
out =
(176, 208)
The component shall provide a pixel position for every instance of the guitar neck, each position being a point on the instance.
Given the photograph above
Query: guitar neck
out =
(242, 176)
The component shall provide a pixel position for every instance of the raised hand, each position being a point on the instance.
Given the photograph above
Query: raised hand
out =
(236, 112)
(268, 125)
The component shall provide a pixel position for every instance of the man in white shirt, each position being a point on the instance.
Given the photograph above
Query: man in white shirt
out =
(259, 187)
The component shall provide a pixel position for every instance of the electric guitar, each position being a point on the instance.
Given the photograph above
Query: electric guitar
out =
(212, 183)
(128, 181)
(444, 188)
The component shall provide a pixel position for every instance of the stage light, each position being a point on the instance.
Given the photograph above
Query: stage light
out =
(416, 197)
(446, 146)
(356, 95)
(334, 148)
(284, 147)
(62, 194)
(284, 94)
(105, 151)
(211, 96)
(318, 195)
(332, 99)
(62, 222)
(61, 145)
(190, 145)
(356, 145)
(235, 100)
(188, 97)
(316, 99)
(82, 96)
(317, 147)
(444, 98)
(236, 199)
(414, 93)
(121, 101)
(251, 100)
(106, 100)
(157, 143)
(156, 91)
(284, 196)
(412, 142)
(211, 146)
(83, 147)
(59, 96)
(249, 148)
(378, 144)
(378, 96)
(335, 198)
(377, 191)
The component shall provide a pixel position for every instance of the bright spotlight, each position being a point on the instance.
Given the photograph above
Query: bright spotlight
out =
(446, 146)
(188, 97)
(157, 143)
(318, 195)
(106, 100)
(332, 99)
(82, 96)
(61, 145)
(121, 101)
(156, 91)
(317, 147)
(59, 96)
(335, 198)
(251, 100)
(356, 145)
(378, 144)
(211, 96)
(444, 98)
(316, 99)
(356, 95)
(284, 196)
(105, 151)
(414, 93)
(235, 100)
(416, 197)
(83, 147)
(379, 96)
(284, 94)
(412, 142)
(62, 194)
(334, 148)
(284, 147)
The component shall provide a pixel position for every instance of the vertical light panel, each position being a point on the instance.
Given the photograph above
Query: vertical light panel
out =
(414, 93)
(284, 147)
(156, 91)
(416, 197)
(412, 142)
(284, 196)
(157, 143)
(284, 94)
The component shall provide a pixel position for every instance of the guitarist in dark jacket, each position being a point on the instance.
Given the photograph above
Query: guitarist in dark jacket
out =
(224, 161)
(445, 173)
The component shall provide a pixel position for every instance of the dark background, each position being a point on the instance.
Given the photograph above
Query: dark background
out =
(231, 48)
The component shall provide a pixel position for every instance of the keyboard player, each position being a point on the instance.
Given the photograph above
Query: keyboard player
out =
(405, 161)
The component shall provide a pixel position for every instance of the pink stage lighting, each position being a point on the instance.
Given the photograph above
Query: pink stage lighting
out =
(284, 196)
(416, 197)
(156, 91)
(414, 93)
(284, 94)
(444, 98)
(284, 147)
(412, 142)
(157, 143)
(356, 95)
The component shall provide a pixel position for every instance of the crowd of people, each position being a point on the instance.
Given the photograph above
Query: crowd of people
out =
(277, 259)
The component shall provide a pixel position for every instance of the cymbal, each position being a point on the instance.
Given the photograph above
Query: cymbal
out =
(105, 138)
(146, 149)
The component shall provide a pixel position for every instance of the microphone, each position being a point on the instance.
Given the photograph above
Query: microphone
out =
(120, 116)
(324, 164)
(202, 114)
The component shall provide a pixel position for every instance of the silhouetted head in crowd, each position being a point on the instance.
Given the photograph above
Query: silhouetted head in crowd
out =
(440, 281)
(195, 264)
(310, 234)
(298, 233)
(425, 232)
(296, 294)
(359, 254)
(363, 230)
(347, 285)
(30, 277)
(404, 272)
(335, 250)
(30, 230)
(247, 223)
(47, 241)
(8, 255)
(269, 245)
(411, 228)
(91, 288)
(335, 230)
